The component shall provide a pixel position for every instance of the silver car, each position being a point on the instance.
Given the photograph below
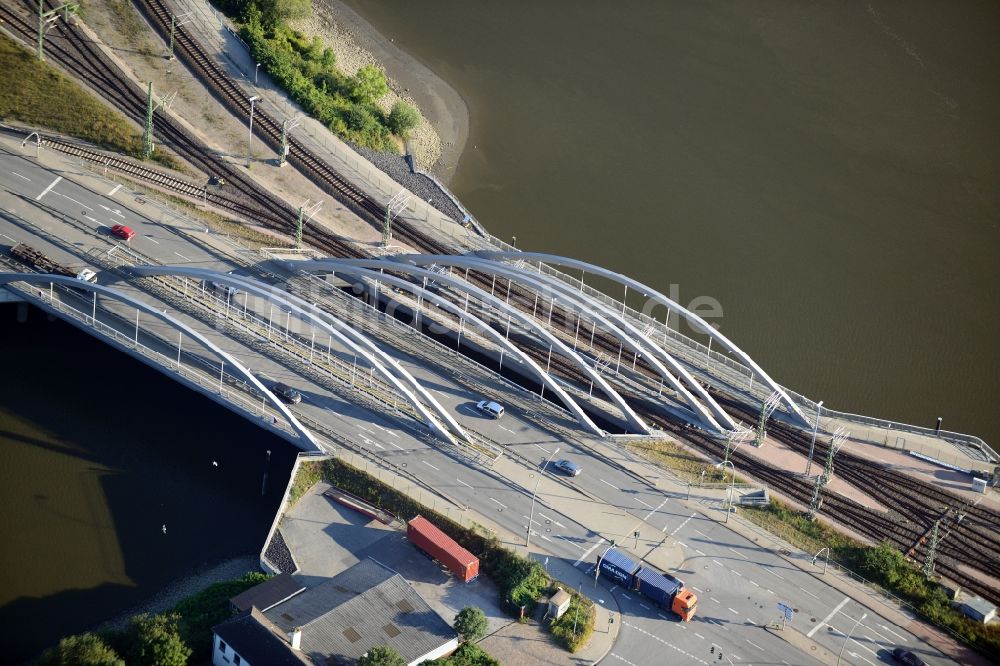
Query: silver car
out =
(494, 409)
(567, 467)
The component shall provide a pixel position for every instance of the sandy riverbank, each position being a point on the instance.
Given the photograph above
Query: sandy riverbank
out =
(439, 141)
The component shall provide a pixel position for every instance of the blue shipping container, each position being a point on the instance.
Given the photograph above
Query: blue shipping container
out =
(619, 567)
(657, 587)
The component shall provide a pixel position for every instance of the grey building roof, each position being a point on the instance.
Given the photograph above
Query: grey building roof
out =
(366, 606)
(270, 592)
(258, 641)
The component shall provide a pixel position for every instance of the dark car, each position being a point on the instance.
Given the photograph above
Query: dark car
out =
(906, 657)
(286, 393)
(567, 467)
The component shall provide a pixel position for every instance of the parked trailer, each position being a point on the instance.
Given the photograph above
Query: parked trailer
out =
(423, 534)
(663, 589)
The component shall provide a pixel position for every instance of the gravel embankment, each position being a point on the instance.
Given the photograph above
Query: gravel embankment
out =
(279, 555)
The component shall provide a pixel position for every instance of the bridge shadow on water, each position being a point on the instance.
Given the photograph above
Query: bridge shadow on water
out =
(102, 453)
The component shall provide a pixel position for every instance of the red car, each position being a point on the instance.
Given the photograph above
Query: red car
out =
(123, 232)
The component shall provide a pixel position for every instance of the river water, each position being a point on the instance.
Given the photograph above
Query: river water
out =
(99, 453)
(826, 171)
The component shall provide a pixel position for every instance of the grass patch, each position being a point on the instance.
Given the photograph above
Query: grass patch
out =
(468, 654)
(38, 95)
(574, 629)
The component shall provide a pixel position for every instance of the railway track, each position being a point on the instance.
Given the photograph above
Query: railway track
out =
(904, 526)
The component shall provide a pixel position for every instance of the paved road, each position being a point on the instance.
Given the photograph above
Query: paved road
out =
(738, 583)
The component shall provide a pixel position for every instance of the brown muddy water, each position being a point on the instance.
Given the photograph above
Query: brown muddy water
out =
(826, 171)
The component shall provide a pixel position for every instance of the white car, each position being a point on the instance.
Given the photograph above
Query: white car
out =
(567, 467)
(494, 409)
(87, 275)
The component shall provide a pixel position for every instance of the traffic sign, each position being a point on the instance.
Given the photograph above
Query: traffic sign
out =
(787, 610)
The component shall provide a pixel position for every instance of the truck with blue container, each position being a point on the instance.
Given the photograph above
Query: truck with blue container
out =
(663, 589)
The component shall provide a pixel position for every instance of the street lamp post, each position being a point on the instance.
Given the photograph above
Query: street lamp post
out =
(729, 494)
(250, 138)
(812, 444)
(856, 623)
(255, 70)
(531, 514)
(826, 561)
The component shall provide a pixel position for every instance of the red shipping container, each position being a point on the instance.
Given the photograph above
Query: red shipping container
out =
(423, 534)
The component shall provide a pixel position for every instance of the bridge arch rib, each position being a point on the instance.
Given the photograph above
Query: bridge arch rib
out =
(631, 417)
(337, 329)
(487, 330)
(634, 340)
(556, 260)
(42, 278)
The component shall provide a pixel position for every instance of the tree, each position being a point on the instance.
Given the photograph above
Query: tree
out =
(275, 12)
(369, 85)
(470, 623)
(81, 650)
(381, 655)
(402, 118)
(154, 640)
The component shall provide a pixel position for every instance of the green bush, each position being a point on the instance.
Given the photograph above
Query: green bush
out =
(470, 623)
(579, 614)
(468, 654)
(381, 655)
(155, 640)
(203, 610)
(305, 69)
(81, 650)
(402, 118)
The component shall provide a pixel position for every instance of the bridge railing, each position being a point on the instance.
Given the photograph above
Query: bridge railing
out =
(231, 388)
(703, 353)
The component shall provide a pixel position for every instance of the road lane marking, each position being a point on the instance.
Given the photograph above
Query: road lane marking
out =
(809, 593)
(554, 522)
(626, 596)
(432, 466)
(714, 599)
(78, 203)
(663, 616)
(463, 483)
(507, 429)
(717, 562)
(695, 589)
(655, 510)
(48, 189)
(397, 446)
(755, 645)
(623, 659)
(8, 237)
(589, 551)
(768, 570)
(858, 656)
(376, 444)
(114, 189)
(677, 529)
(699, 552)
(737, 573)
(699, 635)
(683, 544)
(569, 540)
(690, 657)
(734, 612)
(20, 176)
(543, 448)
(754, 582)
(609, 484)
(498, 502)
(902, 638)
(542, 535)
(644, 606)
(739, 553)
(648, 506)
(177, 253)
(828, 617)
